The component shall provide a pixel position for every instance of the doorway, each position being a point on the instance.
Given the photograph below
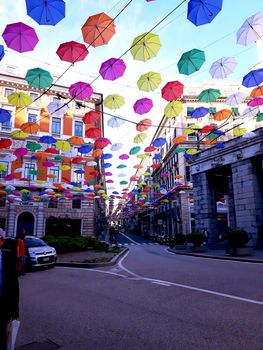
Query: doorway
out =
(26, 221)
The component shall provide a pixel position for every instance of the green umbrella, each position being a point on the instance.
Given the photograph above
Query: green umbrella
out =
(173, 109)
(149, 81)
(33, 146)
(121, 166)
(38, 78)
(114, 101)
(259, 117)
(34, 172)
(123, 182)
(58, 157)
(145, 46)
(209, 95)
(134, 150)
(191, 61)
(212, 136)
(180, 150)
(19, 99)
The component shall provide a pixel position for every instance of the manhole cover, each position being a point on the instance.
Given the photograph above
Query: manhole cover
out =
(46, 345)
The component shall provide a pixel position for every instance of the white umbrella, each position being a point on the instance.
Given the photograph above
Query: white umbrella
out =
(251, 30)
(18, 170)
(122, 175)
(10, 158)
(10, 188)
(57, 108)
(249, 134)
(221, 68)
(116, 146)
(71, 153)
(92, 163)
(251, 112)
(115, 122)
(235, 99)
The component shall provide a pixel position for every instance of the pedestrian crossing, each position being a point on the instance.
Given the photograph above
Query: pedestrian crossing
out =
(143, 243)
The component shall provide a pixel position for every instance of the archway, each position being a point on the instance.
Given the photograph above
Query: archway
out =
(26, 221)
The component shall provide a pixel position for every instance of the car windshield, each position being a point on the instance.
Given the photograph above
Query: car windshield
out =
(31, 242)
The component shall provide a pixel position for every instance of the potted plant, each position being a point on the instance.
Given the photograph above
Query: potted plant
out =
(238, 239)
(178, 241)
(197, 239)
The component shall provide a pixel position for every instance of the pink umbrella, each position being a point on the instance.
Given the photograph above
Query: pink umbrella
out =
(72, 52)
(80, 90)
(112, 69)
(258, 101)
(108, 173)
(20, 37)
(124, 156)
(48, 164)
(9, 177)
(142, 106)
(172, 90)
(20, 152)
(109, 181)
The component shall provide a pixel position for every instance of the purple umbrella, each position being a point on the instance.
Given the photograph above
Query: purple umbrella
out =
(142, 106)
(20, 152)
(80, 90)
(112, 69)
(124, 156)
(48, 164)
(258, 101)
(20, 37)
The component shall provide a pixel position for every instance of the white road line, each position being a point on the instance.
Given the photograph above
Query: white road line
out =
(163, 284)
(128, 238)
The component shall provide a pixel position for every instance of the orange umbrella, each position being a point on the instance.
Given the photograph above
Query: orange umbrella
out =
(97, 152)
(179, 139)
(41, 155)
(51, 176)
(257, 92)
(222, 114)
(77, 140)
(98, 29)
(138, 166)
(143, 125)
(30, 127)
(210, 142)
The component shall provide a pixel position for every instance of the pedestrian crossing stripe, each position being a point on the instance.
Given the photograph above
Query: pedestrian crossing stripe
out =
(143, 243)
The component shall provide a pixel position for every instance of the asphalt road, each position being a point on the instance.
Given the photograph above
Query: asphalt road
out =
(150, 300)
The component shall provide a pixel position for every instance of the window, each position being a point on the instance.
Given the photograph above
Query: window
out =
(78, 178)
(32, 117)
(78, 128)
(56, 126)
(55, 172)
(52, 204)
(192, 136)
(76, 204)
(4, 171)
(8, 92)
(235, 112)
(189, 110)
(212, 111)
(27, 169)
(7, 125)
(33, 96)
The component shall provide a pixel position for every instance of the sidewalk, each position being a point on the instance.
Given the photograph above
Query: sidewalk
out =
(257, 256)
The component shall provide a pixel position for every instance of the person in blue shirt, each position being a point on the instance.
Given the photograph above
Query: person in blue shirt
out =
(9, 289)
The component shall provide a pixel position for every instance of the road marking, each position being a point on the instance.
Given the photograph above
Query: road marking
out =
(130, 239)
(163, 284)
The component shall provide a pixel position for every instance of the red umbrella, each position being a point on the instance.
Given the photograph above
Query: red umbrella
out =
(20, 37)
(143, 125)
(149, 149)
(80, 90)
(52, 151)
(93, 133)
(102, 142)
(172, 90)
(98, 29)
(91, 117)
(77, 160)
(143, 105)
(207, 129)
(5, 143)
(72, 52)
(112, 69)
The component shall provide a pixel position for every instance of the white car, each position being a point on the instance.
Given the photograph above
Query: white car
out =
(39, 253)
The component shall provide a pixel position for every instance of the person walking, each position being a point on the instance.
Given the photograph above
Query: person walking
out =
(9, 290)
(21, 252)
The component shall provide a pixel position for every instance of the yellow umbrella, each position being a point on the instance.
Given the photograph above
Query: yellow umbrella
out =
(140, 137)
(19, 99)
(63, 145)
(64, 167)
(173, 109)
(142, 156)
(191, 151)
(2, 167)
(149, 81)
(19, 134)
(239, 131)
(114, 101)
(145, 46)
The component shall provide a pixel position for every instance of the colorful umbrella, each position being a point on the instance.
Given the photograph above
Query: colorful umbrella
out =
(76, 140)
(98, 29)
(201, 12)
(134, 150)
(257, 92)
(251, 30)
(222, 114)
(112, 69)
(2, 52)
(251, 112)
(5, 115)
(140, 137)
(209, 95)
(143, 105)
(102, 142)
(121, 166)
(106, 156)
(47, 139)
(172, 90)
(46, 12)
(57, 108)
(38, 78)
(85, 149)
(62, 145)
(223, 67)
(145, 46)
(207, 129)
(20, 152)
(114, 101)
(149, 81)
(124, 157)
(48, 164)
(30, 127)
(19, 134)
(259, 117)
(72, 52)
(159, 142)
(51, 151)
(116, 146)
(93, 133)
(179, 139)
(239, 131)
(91, 117)
(33, 146)
(199, 112)
(258, 101)
(80, 90)
(235, 99)
(253, 78)
(191, 61)
(5, 143)
(115, 122)
(143, 125)
(173, 109)
(20, 37)
(19, 99)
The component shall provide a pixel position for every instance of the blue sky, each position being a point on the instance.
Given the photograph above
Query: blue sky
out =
(177, 34)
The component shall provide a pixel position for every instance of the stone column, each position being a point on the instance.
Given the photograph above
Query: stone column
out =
(185, 212)
(11, 224)
(230, 201)
(40, 222)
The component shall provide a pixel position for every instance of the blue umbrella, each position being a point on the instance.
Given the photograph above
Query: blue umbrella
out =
(106, 156)
(73, 183)
(159, 142)
(85, 149)
(199, 112)
(47, 139)
(5, 115)
(218, 132)
(253, 78)
(201, 12)
(220, 145)
(46, 12)
(157, 156)
(106, 165)
(2, 52)
(79, 171)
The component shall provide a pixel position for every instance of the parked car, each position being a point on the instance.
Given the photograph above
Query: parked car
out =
(39, 253)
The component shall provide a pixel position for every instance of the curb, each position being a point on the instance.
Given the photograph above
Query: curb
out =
(210, 256)
(87, 265)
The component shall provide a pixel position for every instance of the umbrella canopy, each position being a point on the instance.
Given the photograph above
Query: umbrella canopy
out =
(112, 69)
(85, 149)
(2, 52)
(122, 166)
(57, 108)
(80, 90)
(201, 12)
(98, 29)
(134, 150)
(258, 101)
(20, 152)
(38, 78)
(48, 164)
(115, 122)
(77, 140)
(251, 30)
(159, 142)
(199, 112)
(209, 95)
(143, 125)
(257, 92)
(116, 146)
(19, 99)
(235, 99)
(140, 137)
(19, 134)
(93, 133)
(72, 52)
(150, 149)
(253, 78)
(106, 156)
(33, 146)
(179, 139)
(143, 105)
(259, 117)
(114, 101)
(46, 12)
(251, 112)
(223, 67)
(62, 145)
(222, 114)
(149, 81)
(30, 127)
(102, 142)
(20, 37)
(91, 117)
(124, 156)
(239, 131)
(207, 129)
(5, 143)
(145, 46)
(5, 115)
(47, 139)
(191, 61)
(173, 109)
(172, 90)
(51, 151)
